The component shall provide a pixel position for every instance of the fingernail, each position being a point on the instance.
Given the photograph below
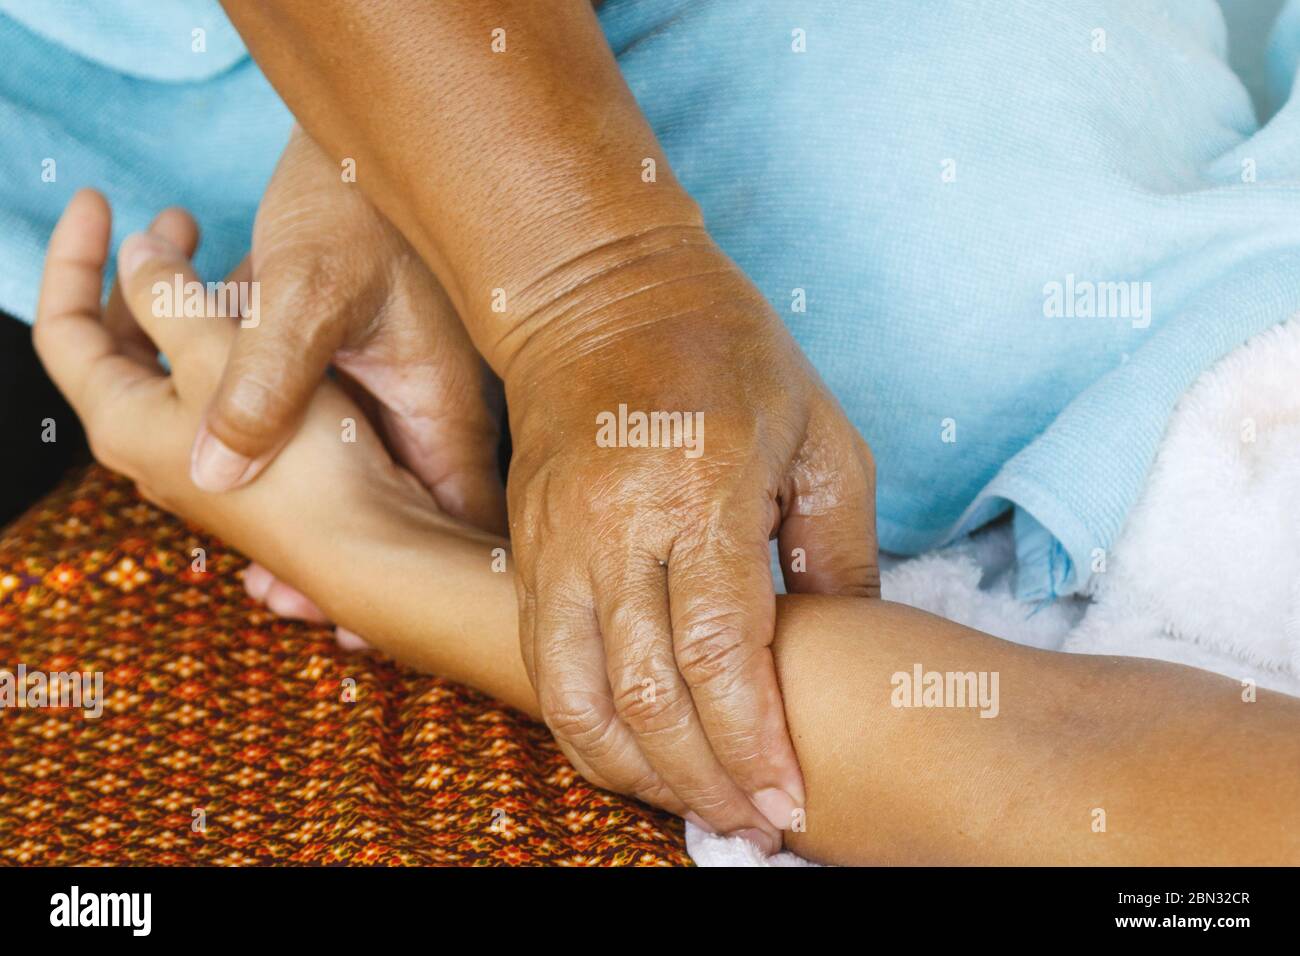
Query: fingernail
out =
(141, 247)
(257, 581)
(214, 467)
(697, 820)
(286, 602)
(765, 841)
(350, 640)
(777, 805)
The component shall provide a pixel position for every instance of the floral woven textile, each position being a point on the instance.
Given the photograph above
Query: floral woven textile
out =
(230, 737)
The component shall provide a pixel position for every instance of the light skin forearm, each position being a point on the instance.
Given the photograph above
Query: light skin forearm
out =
(1184, 771)
(517, 170)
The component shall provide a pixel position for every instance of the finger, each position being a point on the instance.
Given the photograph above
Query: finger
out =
(655, 703)
(283, 599)
(76, 349)
(350, 640)
(263, 587)
(186, 319)
(528, 652)
(574, 696)
(723, 613)
(528, 611)
(274, 367)
(454, 454)
(827, 539)
(257, 582)
(178, 227)
(440, 402)
(287, 601)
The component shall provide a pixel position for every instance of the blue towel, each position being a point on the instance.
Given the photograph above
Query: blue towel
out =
(1009, 234)
(944, 185)
(127, 98)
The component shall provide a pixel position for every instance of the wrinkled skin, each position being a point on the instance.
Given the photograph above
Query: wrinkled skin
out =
(521, 171)
(340, 285)
(646, 592)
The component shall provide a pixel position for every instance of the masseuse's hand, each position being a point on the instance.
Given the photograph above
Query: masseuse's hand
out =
(338, 284)
(646, 591)
(511, 154)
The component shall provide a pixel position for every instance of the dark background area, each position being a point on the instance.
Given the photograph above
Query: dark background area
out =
(29, 467)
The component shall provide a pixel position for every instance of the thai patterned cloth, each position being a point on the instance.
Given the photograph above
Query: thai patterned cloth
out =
(230, 737)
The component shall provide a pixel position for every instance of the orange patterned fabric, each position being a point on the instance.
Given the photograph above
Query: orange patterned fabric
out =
(226, 737)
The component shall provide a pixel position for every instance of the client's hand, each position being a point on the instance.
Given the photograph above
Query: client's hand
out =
(334, 476)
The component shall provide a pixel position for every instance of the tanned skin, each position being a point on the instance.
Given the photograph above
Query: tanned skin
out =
(500, 141)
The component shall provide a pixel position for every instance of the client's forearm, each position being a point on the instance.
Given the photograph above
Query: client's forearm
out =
(1087, 760)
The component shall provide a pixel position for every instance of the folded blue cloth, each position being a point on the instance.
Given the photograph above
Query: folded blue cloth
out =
(1008, 234)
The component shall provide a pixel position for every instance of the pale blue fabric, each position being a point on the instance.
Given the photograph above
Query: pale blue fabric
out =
(169, 40)
(823, 171)
(114, 93)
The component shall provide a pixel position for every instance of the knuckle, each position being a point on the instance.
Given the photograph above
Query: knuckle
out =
(652, 790)
(644, 785)
(712, 649)
(583, 720)
(649, 784)
(862, 580)
(646, 698)
(252, 410)
(334, 295)
(296, 265)
(743, 751)
(635, 632)
(710, 801)
(104, 440)
(103, 449)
